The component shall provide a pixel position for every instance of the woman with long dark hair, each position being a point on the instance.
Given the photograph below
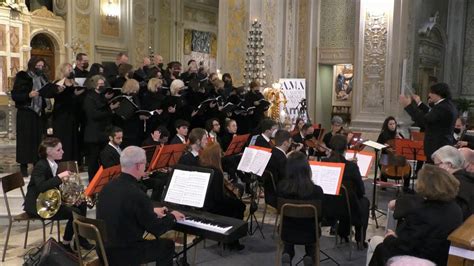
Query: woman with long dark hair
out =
(389, 130)
(352, 180)
(298, 185)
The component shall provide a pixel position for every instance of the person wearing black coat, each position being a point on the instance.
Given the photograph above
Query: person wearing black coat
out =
(267, 128)
(98, 118)
(254, 98)
(425, 227)
(110, 155)
(359, 204)
(45, 177)
(65, 117)
(277, 165)
(228, 134)
(462, 139)
(30, 117)
(438, 121)
(298, 185)
(198, 139)
(128, 212)
(218, 199)
(111, 69)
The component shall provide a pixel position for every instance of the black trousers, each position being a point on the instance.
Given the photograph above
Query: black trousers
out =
(290, 249)
(93, 152)
(65, 213)
(159, 250)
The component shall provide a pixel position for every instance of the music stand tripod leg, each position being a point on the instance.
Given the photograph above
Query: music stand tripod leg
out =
(252, 217)
(374, 192)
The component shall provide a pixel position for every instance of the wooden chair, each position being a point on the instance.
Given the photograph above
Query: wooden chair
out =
(9, 183)
(91, 229)
(298, 209)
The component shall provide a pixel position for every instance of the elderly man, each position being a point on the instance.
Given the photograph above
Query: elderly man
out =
(128, 213)
(468, 159)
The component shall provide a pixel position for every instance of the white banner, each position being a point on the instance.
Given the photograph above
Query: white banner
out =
(295, 91)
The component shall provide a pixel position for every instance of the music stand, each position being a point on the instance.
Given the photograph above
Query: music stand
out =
(373, 209)
(151, 152)
(101, 178)
(411, 150)
(237, 144)
(167, 156)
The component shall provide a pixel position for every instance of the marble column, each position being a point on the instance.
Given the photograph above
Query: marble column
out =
(380, 50)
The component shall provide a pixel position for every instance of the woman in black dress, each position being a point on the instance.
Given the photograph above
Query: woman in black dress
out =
(299, 186)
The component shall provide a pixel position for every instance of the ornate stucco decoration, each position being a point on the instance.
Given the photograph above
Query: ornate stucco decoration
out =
(44, 13)
(431, 45)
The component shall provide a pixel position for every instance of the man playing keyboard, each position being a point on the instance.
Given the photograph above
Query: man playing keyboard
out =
(127, 212)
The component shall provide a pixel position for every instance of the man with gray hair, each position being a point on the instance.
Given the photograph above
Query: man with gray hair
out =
(128, 213)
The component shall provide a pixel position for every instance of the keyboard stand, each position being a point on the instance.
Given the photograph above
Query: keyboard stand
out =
(184, 261)
(253, 208)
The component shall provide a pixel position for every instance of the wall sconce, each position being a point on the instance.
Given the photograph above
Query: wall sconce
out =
(111, 11)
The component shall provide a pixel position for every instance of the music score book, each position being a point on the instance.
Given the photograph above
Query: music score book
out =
(375, 145)
(365, 159)
(254, 160)
(188, 187)
(328, 176)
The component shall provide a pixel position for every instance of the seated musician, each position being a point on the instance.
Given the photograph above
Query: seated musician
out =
(299, 123)
(388, 134)
(336, 128)
(306, 132)
(45, 177)
(352, 180)
(389, 131)
(213, 127)
(460, 136)
(229, 132)
(267, 128)
(425, 228)
(298, 185)
(220, 199)
(128, 212)
(277, 165)
(181, 127)
(197, 141)
(158, 136)
(451, 159)
(110, 155)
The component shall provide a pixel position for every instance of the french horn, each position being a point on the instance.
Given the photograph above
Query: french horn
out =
(70, 193)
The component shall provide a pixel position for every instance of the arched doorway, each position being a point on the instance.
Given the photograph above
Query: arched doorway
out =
(42, 46)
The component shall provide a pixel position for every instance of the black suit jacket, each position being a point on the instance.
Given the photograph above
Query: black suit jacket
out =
(189, 159)
(423, 233)
(438, 124)
(109, 157)
(261, 142)
(42, 179)
(128, 212)
(465, 197)
(277, 166)
(176, 140)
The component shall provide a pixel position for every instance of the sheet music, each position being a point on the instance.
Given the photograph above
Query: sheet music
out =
(374, 144)
(80, 81)
(461, 252)
(188, 188)
(364, 161)
(254, 161)
(327, 177)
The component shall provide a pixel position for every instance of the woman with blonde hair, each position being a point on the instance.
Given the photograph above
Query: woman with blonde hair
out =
(152, 100)
(217, 200)
(426, 224)
(65, 116)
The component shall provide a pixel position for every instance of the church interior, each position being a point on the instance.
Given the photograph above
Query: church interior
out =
(330, 63)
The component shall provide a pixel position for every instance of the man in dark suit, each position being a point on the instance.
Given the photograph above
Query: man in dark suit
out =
(438, 121)
(82, 63)
(460, 136)
(110, 155)
(122, 198)
(307, 131)
(267, 128)
(277, 165)
(182, 128)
